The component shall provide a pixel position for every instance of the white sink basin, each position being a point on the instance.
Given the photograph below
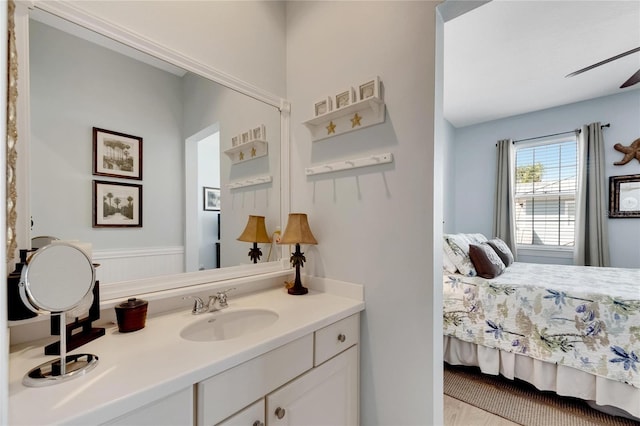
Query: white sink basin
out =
(228, 324)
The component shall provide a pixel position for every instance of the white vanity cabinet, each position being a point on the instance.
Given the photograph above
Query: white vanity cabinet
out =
(326, 395)
(312, 380)
(176, 409)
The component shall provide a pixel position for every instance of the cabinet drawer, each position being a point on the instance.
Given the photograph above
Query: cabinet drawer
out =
(335, 338)
(228, 392)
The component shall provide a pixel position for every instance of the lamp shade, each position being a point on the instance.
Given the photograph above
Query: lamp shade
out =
(297, 230)
(255, 231)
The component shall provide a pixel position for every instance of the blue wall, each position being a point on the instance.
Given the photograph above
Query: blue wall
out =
(474, 163)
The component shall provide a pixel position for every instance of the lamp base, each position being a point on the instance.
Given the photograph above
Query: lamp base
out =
(298, 290)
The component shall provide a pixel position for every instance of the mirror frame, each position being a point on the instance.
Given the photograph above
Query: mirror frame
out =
(18, 225)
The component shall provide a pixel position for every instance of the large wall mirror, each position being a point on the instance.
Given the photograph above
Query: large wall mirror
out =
(80, 80)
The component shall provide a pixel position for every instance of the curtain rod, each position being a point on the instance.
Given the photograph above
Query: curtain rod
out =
(577, 131)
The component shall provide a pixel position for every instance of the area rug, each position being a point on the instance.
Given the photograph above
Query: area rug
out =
(521, 402)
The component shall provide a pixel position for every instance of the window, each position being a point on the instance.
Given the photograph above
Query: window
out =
(545, 192)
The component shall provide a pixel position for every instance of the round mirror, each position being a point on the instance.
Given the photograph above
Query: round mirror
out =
(56, 278)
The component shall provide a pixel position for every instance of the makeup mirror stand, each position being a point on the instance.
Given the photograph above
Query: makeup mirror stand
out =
(88, 333)
(56, 280)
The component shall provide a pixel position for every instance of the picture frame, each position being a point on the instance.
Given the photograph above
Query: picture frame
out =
(117, 154)
(117, 204)
(323, 106)
(624, 196)
(210, 199)
(245, 137)
(258, 133)
(344, 98)
(369, 89)
(235, 140)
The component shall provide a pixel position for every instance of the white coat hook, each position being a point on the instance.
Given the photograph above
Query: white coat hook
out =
(372, 160)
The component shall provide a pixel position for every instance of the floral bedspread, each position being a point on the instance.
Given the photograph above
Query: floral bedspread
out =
(583, 317)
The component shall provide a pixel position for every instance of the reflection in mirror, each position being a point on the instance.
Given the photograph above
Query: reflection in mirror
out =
(186, 123)
(47, 285)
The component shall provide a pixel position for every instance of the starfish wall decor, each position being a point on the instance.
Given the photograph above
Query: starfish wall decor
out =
(630, 152)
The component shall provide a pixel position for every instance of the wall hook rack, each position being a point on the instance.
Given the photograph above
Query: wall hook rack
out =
(371, 160)
(250, 182)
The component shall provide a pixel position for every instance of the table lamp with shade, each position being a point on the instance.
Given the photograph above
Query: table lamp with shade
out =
(297, 232)
(255, 232)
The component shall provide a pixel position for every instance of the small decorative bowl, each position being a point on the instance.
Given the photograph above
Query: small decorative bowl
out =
(131, 315)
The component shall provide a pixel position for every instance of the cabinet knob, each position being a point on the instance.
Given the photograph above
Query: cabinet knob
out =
(341, 338)
(258, 423)
(280, 412)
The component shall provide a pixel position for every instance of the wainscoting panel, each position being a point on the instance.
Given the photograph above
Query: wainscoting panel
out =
(134, 264)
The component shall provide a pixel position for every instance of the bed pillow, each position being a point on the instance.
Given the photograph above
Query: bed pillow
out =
(448, 265)
(457, 248)
(476, 238)
(486, 261)
(503, 250)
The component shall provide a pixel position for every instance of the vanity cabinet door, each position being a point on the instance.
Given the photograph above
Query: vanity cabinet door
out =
(326, 395)
(176, 409)
(253, 415)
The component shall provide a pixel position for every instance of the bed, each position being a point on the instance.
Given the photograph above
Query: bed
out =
(568, 329)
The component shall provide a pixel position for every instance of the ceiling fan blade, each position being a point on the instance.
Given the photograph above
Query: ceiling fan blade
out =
(613, 58)
(632, 80)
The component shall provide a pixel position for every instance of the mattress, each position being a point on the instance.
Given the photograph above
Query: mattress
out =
(586, 318)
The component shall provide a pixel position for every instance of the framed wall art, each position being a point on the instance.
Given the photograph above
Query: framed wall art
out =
(117, 154)
(117, 205)
(211, 199)
(624, 196)
(344, 98)
(369, 89)
(323, 106)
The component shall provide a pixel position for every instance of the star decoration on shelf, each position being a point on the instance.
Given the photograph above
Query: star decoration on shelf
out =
(241, 155)
(355, 121)
(253, 152)
(331, 128)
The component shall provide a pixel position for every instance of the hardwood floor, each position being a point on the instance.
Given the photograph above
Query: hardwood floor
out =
(458, 413)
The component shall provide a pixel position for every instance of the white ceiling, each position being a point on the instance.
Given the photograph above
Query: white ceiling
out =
(509, 57)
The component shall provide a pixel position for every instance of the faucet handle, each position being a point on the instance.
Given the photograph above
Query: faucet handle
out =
(198, 304)
(222, 297)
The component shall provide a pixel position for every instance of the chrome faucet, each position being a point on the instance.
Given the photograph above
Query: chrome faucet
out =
(216, 302)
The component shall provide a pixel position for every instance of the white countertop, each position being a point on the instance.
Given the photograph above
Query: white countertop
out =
(137, 368)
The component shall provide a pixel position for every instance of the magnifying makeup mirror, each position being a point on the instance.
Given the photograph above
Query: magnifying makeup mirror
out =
(56, 279)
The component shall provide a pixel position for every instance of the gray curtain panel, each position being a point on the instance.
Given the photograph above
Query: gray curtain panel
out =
(592, 236)
(503, 222)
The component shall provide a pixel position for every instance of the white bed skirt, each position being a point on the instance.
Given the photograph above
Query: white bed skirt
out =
(601, 393)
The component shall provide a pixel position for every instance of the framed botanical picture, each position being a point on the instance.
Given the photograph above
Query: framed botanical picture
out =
(117, 154)
(246, 137)
(259, 133)
(344, 98)
(369, 89)
(117, 205)
(624, 196)
(211, 199)
(322, 107)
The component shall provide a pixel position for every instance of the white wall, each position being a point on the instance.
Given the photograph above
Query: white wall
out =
(236, 113)
(242, 38)
(208, 176)
(374, 225)
(475, 162)
(76, 85)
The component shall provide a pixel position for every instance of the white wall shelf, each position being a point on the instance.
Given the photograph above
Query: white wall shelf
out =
(249, 182)
(371, 160)
(247, 151)
(356, 116)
